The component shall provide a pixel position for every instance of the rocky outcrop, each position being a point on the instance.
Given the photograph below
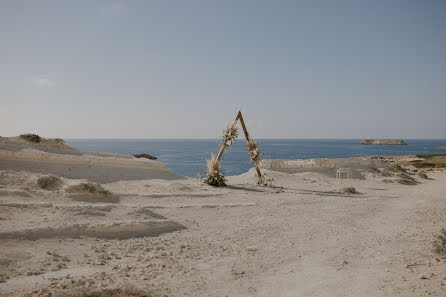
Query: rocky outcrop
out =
(384, 141)
(147, 156)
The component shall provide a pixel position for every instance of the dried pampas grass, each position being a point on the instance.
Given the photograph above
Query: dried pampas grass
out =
(215, 175)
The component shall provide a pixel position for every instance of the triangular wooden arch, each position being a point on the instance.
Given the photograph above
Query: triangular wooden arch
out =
(248, 139)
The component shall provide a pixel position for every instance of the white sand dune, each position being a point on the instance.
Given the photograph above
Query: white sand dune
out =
(62, 160)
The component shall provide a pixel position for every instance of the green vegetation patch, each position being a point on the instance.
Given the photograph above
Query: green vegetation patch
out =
(426, 165)
(431, 156)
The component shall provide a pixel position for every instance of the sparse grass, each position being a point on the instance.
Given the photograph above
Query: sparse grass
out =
(126, 292)
(90, 189)
(46, 182)
(387, 181)
(349, 190)
(31, 137)
(431, 156)
(440, 242)
(59, 140)
(406, 181)
(422, 175)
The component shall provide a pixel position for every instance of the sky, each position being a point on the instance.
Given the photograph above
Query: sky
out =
(183, 69)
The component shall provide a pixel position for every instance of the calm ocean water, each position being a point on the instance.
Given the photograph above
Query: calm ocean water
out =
(187, 156)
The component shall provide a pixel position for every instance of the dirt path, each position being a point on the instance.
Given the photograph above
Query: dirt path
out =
(366, 257)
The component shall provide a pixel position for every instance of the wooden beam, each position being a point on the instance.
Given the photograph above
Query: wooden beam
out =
(248, 139)
(242, 122)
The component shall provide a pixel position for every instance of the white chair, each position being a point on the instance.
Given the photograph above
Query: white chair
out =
(346, 171)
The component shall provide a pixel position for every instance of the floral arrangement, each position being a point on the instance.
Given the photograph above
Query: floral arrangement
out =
(229, 136)
(253, 151)
(215, 175)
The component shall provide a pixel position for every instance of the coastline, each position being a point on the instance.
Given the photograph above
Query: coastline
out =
(187, 157)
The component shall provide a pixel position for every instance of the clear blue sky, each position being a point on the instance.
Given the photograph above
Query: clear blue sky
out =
(182, 69)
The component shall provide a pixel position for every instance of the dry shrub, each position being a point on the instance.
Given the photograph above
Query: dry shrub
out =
(90, 189)
(46, 182)
(349, 190)
(31, 137)
(422, 175)
(406, 181)
(440, 242)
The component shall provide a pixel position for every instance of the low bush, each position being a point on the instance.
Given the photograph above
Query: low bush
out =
(90, 189)
(31, 137)
(440, 242)
(46, 182)
(349, 190)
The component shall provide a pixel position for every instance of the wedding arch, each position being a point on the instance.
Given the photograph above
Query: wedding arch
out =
(215, 174)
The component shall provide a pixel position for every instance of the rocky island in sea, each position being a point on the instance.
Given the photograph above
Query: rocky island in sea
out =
(384, 141)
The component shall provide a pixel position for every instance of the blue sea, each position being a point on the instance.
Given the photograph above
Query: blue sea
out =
(187, 156)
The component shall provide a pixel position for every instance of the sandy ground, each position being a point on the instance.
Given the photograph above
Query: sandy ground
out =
(156, 237)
